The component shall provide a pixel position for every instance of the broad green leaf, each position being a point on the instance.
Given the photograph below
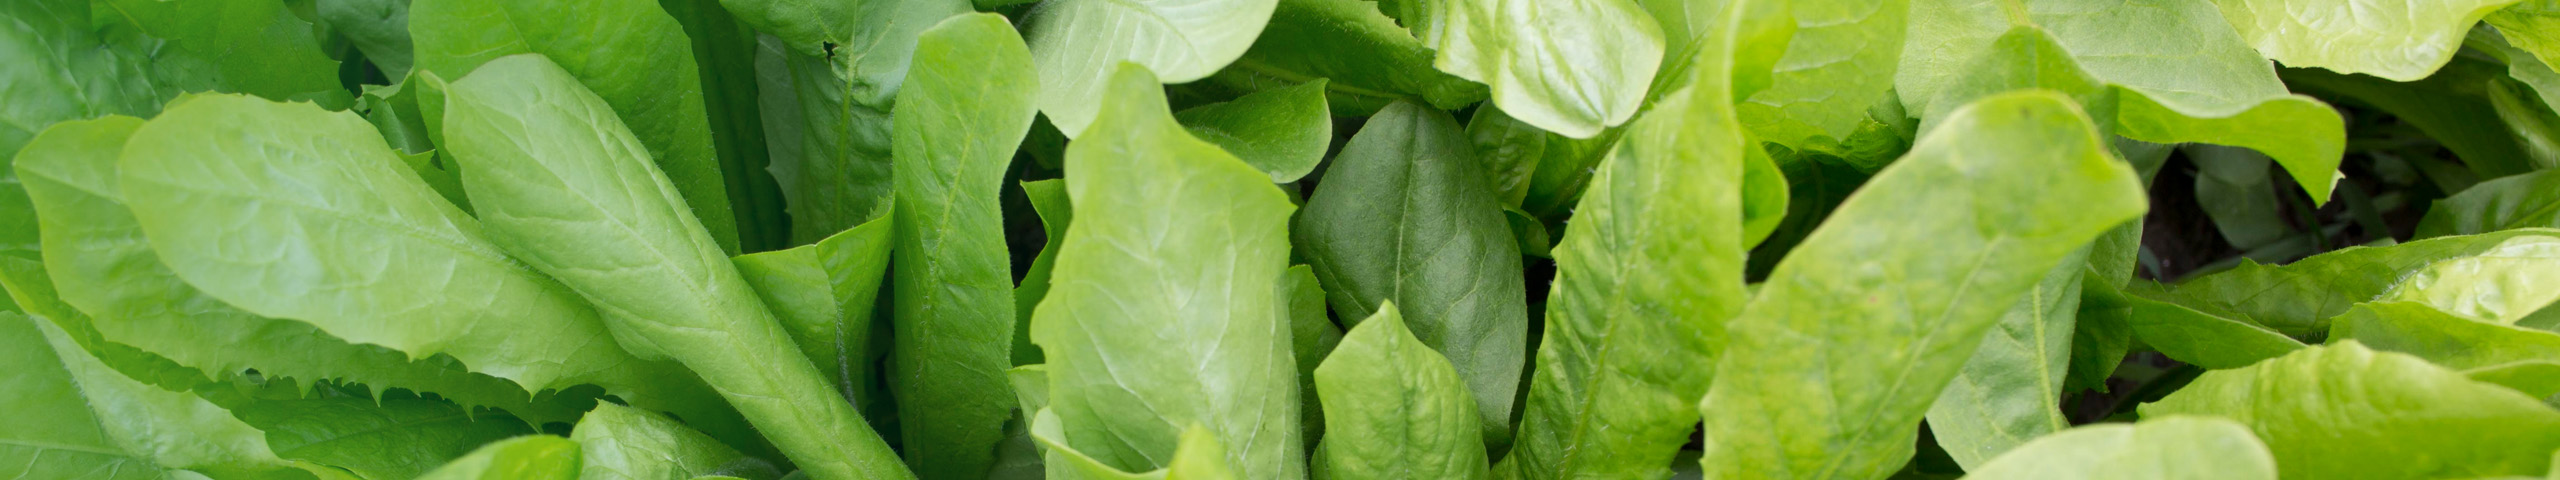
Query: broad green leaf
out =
(2101, 333)
(1647, 274)
(286, 211)
(102, 263)
(1833, 363)
(2354, 412)
(617, 442)
(1840, 61)
(1080, 44)
(2152, 70)
(74, 416)
(385, 435)
(724, 51)
(629, 52)
(1048, 199)
(824, 295)
(1172, 260)
(2196, 334)
(1403, 216)
(968, 102)
(2450, 106)
(1367, 59)
(2501, 285)
(2401, 40)
(2519, 201)
(583, 205)
(379, 28)
(531, 457)
(1198, 456)
(2233, 187)
(1572, 67)
(2167, 448)
(1397, 409)
(827, 112)
(2010, 391)
(2298, 299)
(2533, 25)
(61, 70)
(2485, 351)
(258, 48)
(1282, 131)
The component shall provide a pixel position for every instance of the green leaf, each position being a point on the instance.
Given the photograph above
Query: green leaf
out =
(2196, 334)
(2401, 40)
(2361, 413)
(617, 442)
(1367, 59)
(2503, 284)
(630, 52)
(28, 290)
(1080, 44)
(2167, 448)
(1833, 363)
(1403, 216)
(1540, 172)
(1282, 131)
(75, 417)
(1646, 276)
(531, 457)
(2233, 187)
(1571, 67)
(824, 295)
(827, 112)
(2489, 352)
(258, 48)
(2010, 391)
(2298, 299)
(379, 28)
(2101, 334)
(1312, 337)
(1197, 458)
(390, 435)
(967, 103)
(104, 265)
(1048, 199)
(286, 211)
(2132, 64)
(725, 52)
(1147, 300)
(1840, 62)
(583, 205)
(1397, 408)
(2451, 107)
(2530, 200)
(2533, 25)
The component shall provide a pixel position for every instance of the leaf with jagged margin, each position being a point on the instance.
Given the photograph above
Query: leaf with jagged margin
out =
(104, 265)
(2167, 448)
(617, 442)
(2298, 299)
(1312, 336)
(823, 294)
(2010, 390)
(1367, 59)
(1048, 199)
(2530, 200)
(1146, 299)
(630, 52)
(968, 101)
(725, 52)
(1573, 67)
(2401, 40)
(530, 457)
(379, 28)
(1403, 216)
(562, 186)
(1840, 62)
(26, 286)
(378, 434)
(1197, 456)
(2524, 359)
(1078, 44)
(1397, 408)
(72, 416)
(1833, 363)
(2154, 70)
(1282, 131)
(2450, 107)
(826, 112)
(290, 212)
(1648, 273)
(2358, 413)
(258, 48)
(2504, 284)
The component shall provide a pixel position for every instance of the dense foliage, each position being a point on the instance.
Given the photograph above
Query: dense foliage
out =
(1279, 239)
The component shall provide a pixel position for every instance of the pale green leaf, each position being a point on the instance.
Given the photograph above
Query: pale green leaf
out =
(1079, 44)
(1367, 59)
(1397, 409)
(2354, 412)
(1282, 131)
(531, 457)
(2010, 391)
(2502, 284)
(374, 435)
(2533, 25)
(1048, 199)
(1840, 61)
(1198, 457)
(73, 413)
(2297, 299)
(2518, 201)
(2167, 448)
(2519, 358)
(824, 296)
(1833, 363)
(1166, 277)
(1572, 67)
(2401, 40)
(617, 442)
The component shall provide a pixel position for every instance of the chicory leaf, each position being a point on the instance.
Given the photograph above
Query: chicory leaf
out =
(2010, 391)
(2529, 200)
(1079, 44)
(1367, 60)
(2355, 412)
(1282, 131)
(531, 457)
(827, 111)
(2298, 299)
(76, 417)
(824, 295)
(1397, 409)
(2167, 448)
(1572, 67)
(2521, 358)
(2401, 40)
(622, 443)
